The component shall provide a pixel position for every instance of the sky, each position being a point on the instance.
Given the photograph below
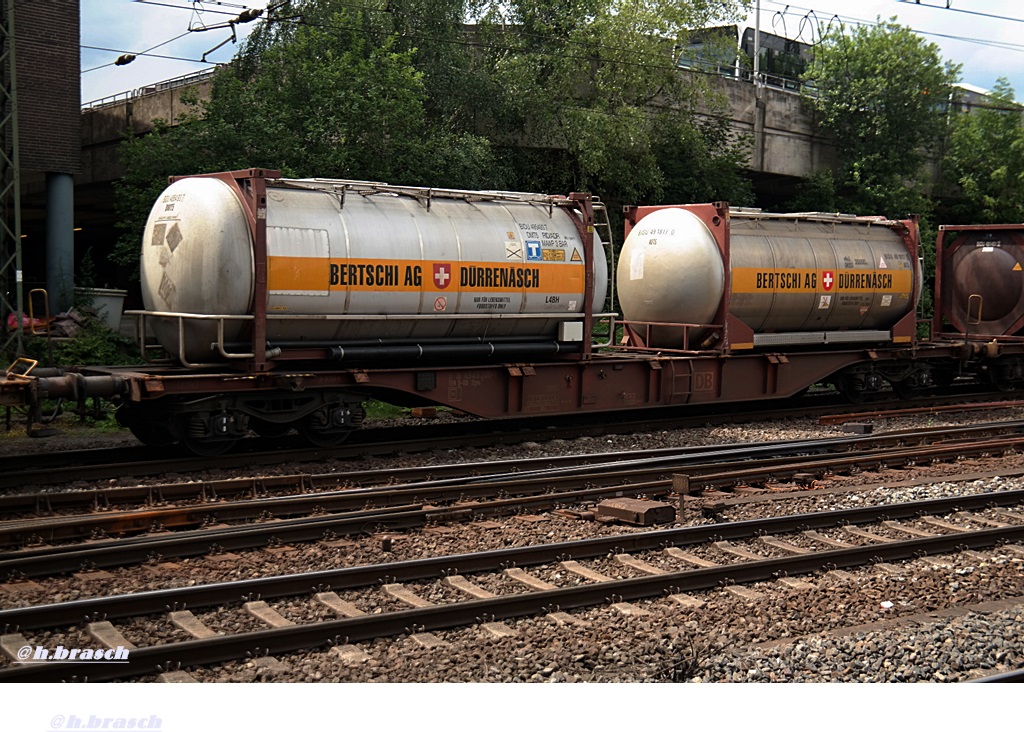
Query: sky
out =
(131, 26)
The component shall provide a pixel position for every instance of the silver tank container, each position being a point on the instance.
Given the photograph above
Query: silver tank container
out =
(397, 266)
(793, 280)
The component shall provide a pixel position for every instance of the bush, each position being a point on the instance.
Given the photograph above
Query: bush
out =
(96, 345)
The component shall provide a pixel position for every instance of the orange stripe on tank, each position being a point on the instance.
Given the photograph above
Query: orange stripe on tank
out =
(318, 274)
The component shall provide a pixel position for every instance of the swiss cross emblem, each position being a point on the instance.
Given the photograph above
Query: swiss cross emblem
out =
(442, 275)
(827, 278)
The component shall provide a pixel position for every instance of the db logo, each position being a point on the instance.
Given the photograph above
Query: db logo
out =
(827, 278)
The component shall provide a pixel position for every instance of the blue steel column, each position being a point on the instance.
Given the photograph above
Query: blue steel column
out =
(60, 240)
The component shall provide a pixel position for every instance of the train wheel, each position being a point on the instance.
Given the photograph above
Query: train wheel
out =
(853, 388)
(332, 424)
(943, 377)
(207, 447)
(321, 437)
(153, 432)
(264, 428)
(1007, 386)
(1008, 374)
(195, 437)
(907, 390)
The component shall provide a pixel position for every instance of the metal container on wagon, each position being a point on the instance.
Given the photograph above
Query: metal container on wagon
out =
(800, 279)
(359, 262)
(980, 279)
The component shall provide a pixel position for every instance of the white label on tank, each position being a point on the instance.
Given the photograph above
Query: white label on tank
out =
(636, 265)
(882, 264)
(572, 306)
(988, 249)
(886, 301)
(825, 302)
(513, 250)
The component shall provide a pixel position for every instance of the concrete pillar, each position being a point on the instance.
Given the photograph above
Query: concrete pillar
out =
(760, 136)
(60, 240)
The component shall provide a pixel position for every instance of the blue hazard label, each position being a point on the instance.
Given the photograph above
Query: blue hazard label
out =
(533, 251)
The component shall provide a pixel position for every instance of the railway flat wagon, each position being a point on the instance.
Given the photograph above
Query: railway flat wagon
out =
(288, 304)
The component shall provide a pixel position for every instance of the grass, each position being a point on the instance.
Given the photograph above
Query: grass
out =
(97, 419)
(98, 345)
(95, 345)
(383, 410)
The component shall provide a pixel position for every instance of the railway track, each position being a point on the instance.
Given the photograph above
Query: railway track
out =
(106, 498)
(466, 492)
(39, 469)
(668, 563)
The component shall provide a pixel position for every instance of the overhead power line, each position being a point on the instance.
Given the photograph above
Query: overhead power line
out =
(806, 14)
(141, 53)
(807, 18)
(127, 57)
(948, 5)
(185, 7)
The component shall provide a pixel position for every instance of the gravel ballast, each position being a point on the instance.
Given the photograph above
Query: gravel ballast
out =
(919, 624)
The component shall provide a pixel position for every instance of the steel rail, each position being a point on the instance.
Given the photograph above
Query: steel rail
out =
(840, 418)
(1009, 677)
(460, 473)
(453, 472)
(140, 460)
(64, 558)
(105, 464)
(462, 483)
(563, 482)
(144, 603)
(160, 658)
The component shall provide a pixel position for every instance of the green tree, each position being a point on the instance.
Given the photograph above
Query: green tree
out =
(881, 96)
(986, 160)
(817, 192)
(331, 92)
(582, 95)
(598, 84)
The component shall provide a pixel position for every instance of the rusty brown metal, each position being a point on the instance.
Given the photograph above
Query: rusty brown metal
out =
(986, 406)
(979, 280)
(250, 185)
(584, 203)
(637, 512)
(604, 383)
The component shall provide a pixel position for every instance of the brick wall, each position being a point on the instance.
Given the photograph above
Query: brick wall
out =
(49, 96)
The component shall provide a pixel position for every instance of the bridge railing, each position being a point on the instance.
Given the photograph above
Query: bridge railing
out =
(142, 91)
